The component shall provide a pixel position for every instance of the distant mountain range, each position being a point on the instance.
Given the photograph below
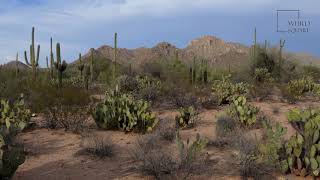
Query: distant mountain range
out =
(217, 52)
(12, 65)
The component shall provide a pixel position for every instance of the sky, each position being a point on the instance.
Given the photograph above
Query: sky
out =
(83, 24)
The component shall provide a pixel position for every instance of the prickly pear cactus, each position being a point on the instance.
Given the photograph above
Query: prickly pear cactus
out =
(225, 90)
(14, 117)
(121, 111)
(14, 114)
(302, 150)
(244, 112)
(299, 87)
(187, 118)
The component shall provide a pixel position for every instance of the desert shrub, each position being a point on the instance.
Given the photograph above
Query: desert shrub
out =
(122, 111)
(299, 87)
(266, 60)
(14, 118)
(98, 146)
(70, 118)
(242, 111)
(166, 132)
(225, 125)
(152, 158)
(262, 75)
(148, 88)
(41, 96)
(142, 87)
(225, 90)
(247, 154)
(155, 160)
(311, 70)
(189, 155)
(300, 154)
(187, 117)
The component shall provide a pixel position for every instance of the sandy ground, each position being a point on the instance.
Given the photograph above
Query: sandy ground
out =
(54, 154)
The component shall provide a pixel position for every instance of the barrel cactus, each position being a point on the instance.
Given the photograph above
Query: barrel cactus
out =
(121, 111)
(225, 90)
(244, 112)
(187, 117)
(302, 150)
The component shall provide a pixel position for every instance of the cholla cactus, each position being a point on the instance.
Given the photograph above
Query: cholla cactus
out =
(34, 56)
(60, 66)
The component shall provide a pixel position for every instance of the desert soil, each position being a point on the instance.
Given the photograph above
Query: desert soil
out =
(55, 154)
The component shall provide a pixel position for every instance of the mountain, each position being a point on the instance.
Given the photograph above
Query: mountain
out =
(218, 53)
(12, 65)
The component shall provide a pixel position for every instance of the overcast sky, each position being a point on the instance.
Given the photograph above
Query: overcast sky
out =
(81, 24)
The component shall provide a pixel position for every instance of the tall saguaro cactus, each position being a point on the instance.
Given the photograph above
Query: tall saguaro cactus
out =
(115, 55)
(91, 65)
(282, 42)
(34, 56)
(51, 60)
(80, 66)
(205, 72)
(60, 66)
(17, 65)
(194, 71)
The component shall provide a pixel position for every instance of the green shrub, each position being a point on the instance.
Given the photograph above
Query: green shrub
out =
(301, 153)
(122, 111)
(244, 112)
(187, 118)
(14, 117)
(225, 90)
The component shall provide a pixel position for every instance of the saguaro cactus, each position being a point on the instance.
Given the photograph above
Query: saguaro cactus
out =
(48, 67)
(92, 65)
(86, 77)
(115, 56)
(80, 66)
(17, 65)
(205, 72)
(282, 42)
(51, 60)
(34, 57)
(194, 72)
(60, 66)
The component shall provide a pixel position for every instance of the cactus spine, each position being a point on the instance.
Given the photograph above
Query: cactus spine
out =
(60, 66)
(115, 56)
(34, 59)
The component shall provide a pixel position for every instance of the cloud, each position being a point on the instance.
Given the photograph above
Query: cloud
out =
(72, 19)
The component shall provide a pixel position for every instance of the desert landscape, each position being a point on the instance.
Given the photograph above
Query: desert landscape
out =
(212, 110)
